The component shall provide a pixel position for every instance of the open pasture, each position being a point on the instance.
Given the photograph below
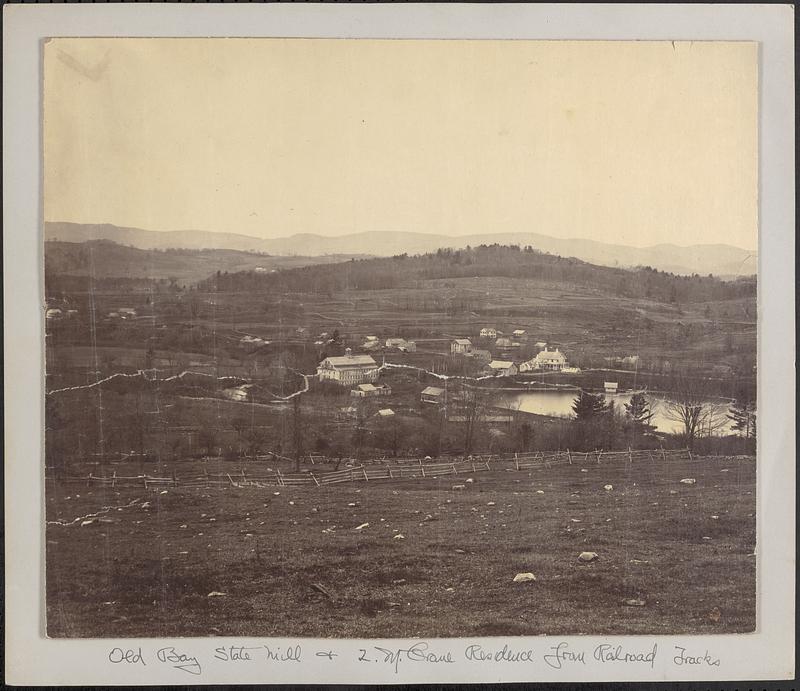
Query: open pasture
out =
(292, 561)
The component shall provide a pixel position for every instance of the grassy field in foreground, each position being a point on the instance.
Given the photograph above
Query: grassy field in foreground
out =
(685, 550)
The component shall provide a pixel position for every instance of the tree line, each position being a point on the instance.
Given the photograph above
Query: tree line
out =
(483, 261)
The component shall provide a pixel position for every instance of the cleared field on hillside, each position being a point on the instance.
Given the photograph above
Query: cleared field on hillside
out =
(685, 550)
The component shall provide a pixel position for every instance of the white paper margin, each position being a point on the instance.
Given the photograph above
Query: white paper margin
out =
(33, 659)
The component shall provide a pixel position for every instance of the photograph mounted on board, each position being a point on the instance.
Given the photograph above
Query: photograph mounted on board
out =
(366, 338)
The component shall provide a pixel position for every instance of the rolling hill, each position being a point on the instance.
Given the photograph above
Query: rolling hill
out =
(720, 260)
(106, 259)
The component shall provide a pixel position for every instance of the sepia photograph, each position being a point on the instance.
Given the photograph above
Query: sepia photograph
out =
(365, 338)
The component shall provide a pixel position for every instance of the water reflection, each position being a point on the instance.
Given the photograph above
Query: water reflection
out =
(559, 404)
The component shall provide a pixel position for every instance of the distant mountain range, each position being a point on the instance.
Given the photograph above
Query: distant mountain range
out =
(720, 260)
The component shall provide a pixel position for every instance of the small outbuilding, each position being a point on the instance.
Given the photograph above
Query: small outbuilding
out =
(432, 394)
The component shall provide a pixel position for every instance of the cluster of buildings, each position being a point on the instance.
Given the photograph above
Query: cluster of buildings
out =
(58, 313)
(123, 313)
(401, 344)
(254, 341)
(546, 360)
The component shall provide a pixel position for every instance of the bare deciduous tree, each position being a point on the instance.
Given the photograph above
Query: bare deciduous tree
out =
(689, 407)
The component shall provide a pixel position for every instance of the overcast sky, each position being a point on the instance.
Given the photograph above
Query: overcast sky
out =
(635, 143)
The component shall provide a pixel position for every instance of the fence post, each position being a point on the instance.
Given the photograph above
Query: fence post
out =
(569, 456)
(599, 453)
(690, 453)
(630, 456)
(516, 460)
(114, 480)
(314, 479)
(365, 473)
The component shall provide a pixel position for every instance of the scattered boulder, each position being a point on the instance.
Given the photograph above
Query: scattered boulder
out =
(587, 557)
(399, 536)
(469, 480)
(634, 602)
(673, 491)
(608, 487)
(524, 577)
(362, 526)
(459, 487)
(688, 481)
(216, 593)
(491, 503)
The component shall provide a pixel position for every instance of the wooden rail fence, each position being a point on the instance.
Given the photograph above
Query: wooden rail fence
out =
(385, 469)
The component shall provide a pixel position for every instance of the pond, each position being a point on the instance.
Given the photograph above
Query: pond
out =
(559, 404)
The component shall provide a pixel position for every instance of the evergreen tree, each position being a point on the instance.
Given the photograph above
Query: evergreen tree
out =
(587, 406)
(639, 414)
(743, 414)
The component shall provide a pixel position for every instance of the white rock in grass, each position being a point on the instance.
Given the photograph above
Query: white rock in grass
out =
(634, 602)
(216, 593)
(608, 487)
(491, 503)
(539, 491)
(362, 526)
(688, 481)
(524, 577)
(469, 480)
(458, 487)
(587, 556)
(399, 536)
